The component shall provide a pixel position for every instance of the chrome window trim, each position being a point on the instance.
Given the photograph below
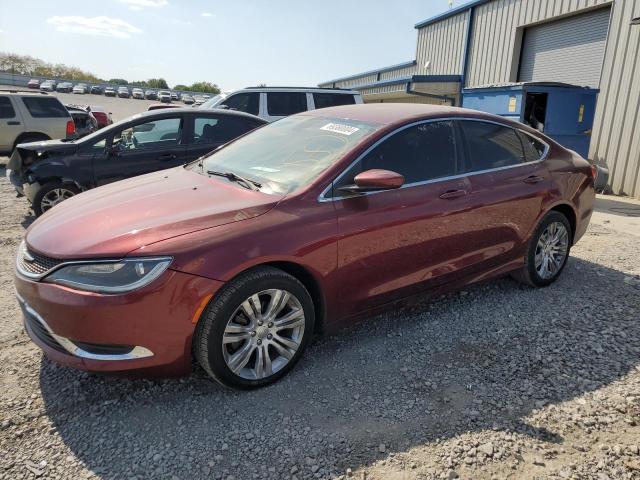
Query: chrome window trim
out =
(136, 353)
(323, 195)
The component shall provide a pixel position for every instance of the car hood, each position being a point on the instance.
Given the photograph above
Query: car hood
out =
(116, 219)
(27, 153)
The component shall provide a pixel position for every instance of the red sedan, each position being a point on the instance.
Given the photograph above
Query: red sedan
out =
(238, 258)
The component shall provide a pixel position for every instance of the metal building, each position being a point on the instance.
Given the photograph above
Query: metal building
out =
(594, 43)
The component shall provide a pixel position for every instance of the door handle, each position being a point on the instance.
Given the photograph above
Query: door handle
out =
(168, 156)
(450, 194)
(13, 122)
(533, 179)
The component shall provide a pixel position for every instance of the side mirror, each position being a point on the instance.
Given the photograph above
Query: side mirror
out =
(374, 180)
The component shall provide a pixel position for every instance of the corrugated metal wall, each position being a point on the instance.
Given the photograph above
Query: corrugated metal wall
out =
(616, 133)
(442, 45)
(495, 48)
(398, 72)
(570, 50)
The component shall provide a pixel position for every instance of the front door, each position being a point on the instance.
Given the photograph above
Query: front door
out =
(141, 148)
(394, 243)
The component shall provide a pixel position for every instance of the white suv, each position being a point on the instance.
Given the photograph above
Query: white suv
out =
(31, 117)
(273, 103)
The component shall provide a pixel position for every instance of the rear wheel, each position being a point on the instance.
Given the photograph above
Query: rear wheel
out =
(255, 329)
(51, 194)
(548, 251)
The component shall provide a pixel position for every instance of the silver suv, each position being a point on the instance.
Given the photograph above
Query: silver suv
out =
(31, 117)
(274, 103)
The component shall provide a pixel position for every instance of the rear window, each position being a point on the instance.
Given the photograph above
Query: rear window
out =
(6, 109)
(286, 103)
(324, 100)
(533, 149)
(45, 107)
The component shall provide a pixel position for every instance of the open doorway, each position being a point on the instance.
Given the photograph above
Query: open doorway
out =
(535, 110)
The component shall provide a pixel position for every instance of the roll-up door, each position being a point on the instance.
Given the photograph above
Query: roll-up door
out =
(570, 50)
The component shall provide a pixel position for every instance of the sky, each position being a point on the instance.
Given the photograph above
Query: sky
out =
(235, 43)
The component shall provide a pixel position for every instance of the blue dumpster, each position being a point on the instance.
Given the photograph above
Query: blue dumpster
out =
(563, 112)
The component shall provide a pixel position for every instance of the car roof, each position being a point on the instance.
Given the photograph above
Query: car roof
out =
(394, 113)
(217, 111)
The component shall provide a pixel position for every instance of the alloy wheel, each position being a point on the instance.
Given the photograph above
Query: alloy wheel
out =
(54, 197)
(263, 334)
(551, 250)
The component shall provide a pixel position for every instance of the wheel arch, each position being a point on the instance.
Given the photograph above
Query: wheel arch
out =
(20, 138)
(568, 211)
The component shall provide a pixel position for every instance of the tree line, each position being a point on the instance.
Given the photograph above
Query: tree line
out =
(27, 65)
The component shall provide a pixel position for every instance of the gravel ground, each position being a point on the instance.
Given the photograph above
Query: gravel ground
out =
(497, 381)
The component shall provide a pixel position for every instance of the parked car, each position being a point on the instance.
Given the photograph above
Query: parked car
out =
(151, 95)
(164, 96)
(109, 92)
(137, 93)
(199, 100)
(83, 119)
(102, 116)
(158, 106)
(48, 86)
(33, 83)
(96, 90)
(50, 172)
(274, 103)
(64, 87)
(293, 229)
(187, 99)
(175, 96)
(31, 117)
(123, 92)
(80, 88)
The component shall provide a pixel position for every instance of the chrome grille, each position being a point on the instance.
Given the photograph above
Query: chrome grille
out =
(35, 264)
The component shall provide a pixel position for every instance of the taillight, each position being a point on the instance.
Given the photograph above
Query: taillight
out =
(594, 172)
(71, 128)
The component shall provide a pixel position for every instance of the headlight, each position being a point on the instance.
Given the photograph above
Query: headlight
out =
(110, 276)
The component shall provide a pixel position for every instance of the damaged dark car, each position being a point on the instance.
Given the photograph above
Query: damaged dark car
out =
(49, 172)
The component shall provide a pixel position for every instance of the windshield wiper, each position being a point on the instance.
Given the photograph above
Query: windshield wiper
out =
(250, 184)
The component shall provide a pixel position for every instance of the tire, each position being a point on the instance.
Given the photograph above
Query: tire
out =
(225, 318)
(45, 194)
(539, 275)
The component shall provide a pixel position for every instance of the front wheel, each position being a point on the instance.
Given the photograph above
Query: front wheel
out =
(255, 330)
(547, 252)
(52, 194)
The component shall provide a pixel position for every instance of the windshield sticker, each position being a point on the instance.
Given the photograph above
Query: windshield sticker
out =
(340, 128)
(265, 169)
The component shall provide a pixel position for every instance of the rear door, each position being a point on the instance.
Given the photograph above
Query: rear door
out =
(142, 147)
(283, 104)
(10, 123)
(509, 182)
(208, 131)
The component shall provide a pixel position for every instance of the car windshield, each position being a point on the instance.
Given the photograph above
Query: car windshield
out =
(289, 153)
(211, 103)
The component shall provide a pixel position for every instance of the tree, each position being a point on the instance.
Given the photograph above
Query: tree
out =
(118, 81)
(205, 87)
(158, 83)
(179, 86)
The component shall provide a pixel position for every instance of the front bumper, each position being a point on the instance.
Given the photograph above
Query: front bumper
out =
(15, 180)
(146, 330)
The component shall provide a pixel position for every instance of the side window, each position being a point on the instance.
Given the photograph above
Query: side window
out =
(533, 149)
(324, 100)
(490, 145)
(158, 134)
(286, 103)
(209, 130)
(6, 109)
(95, 147)
(244, 102)
(419, 153)
(45, 107)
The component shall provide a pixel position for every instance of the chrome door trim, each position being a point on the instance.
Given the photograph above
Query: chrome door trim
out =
(323, 195)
